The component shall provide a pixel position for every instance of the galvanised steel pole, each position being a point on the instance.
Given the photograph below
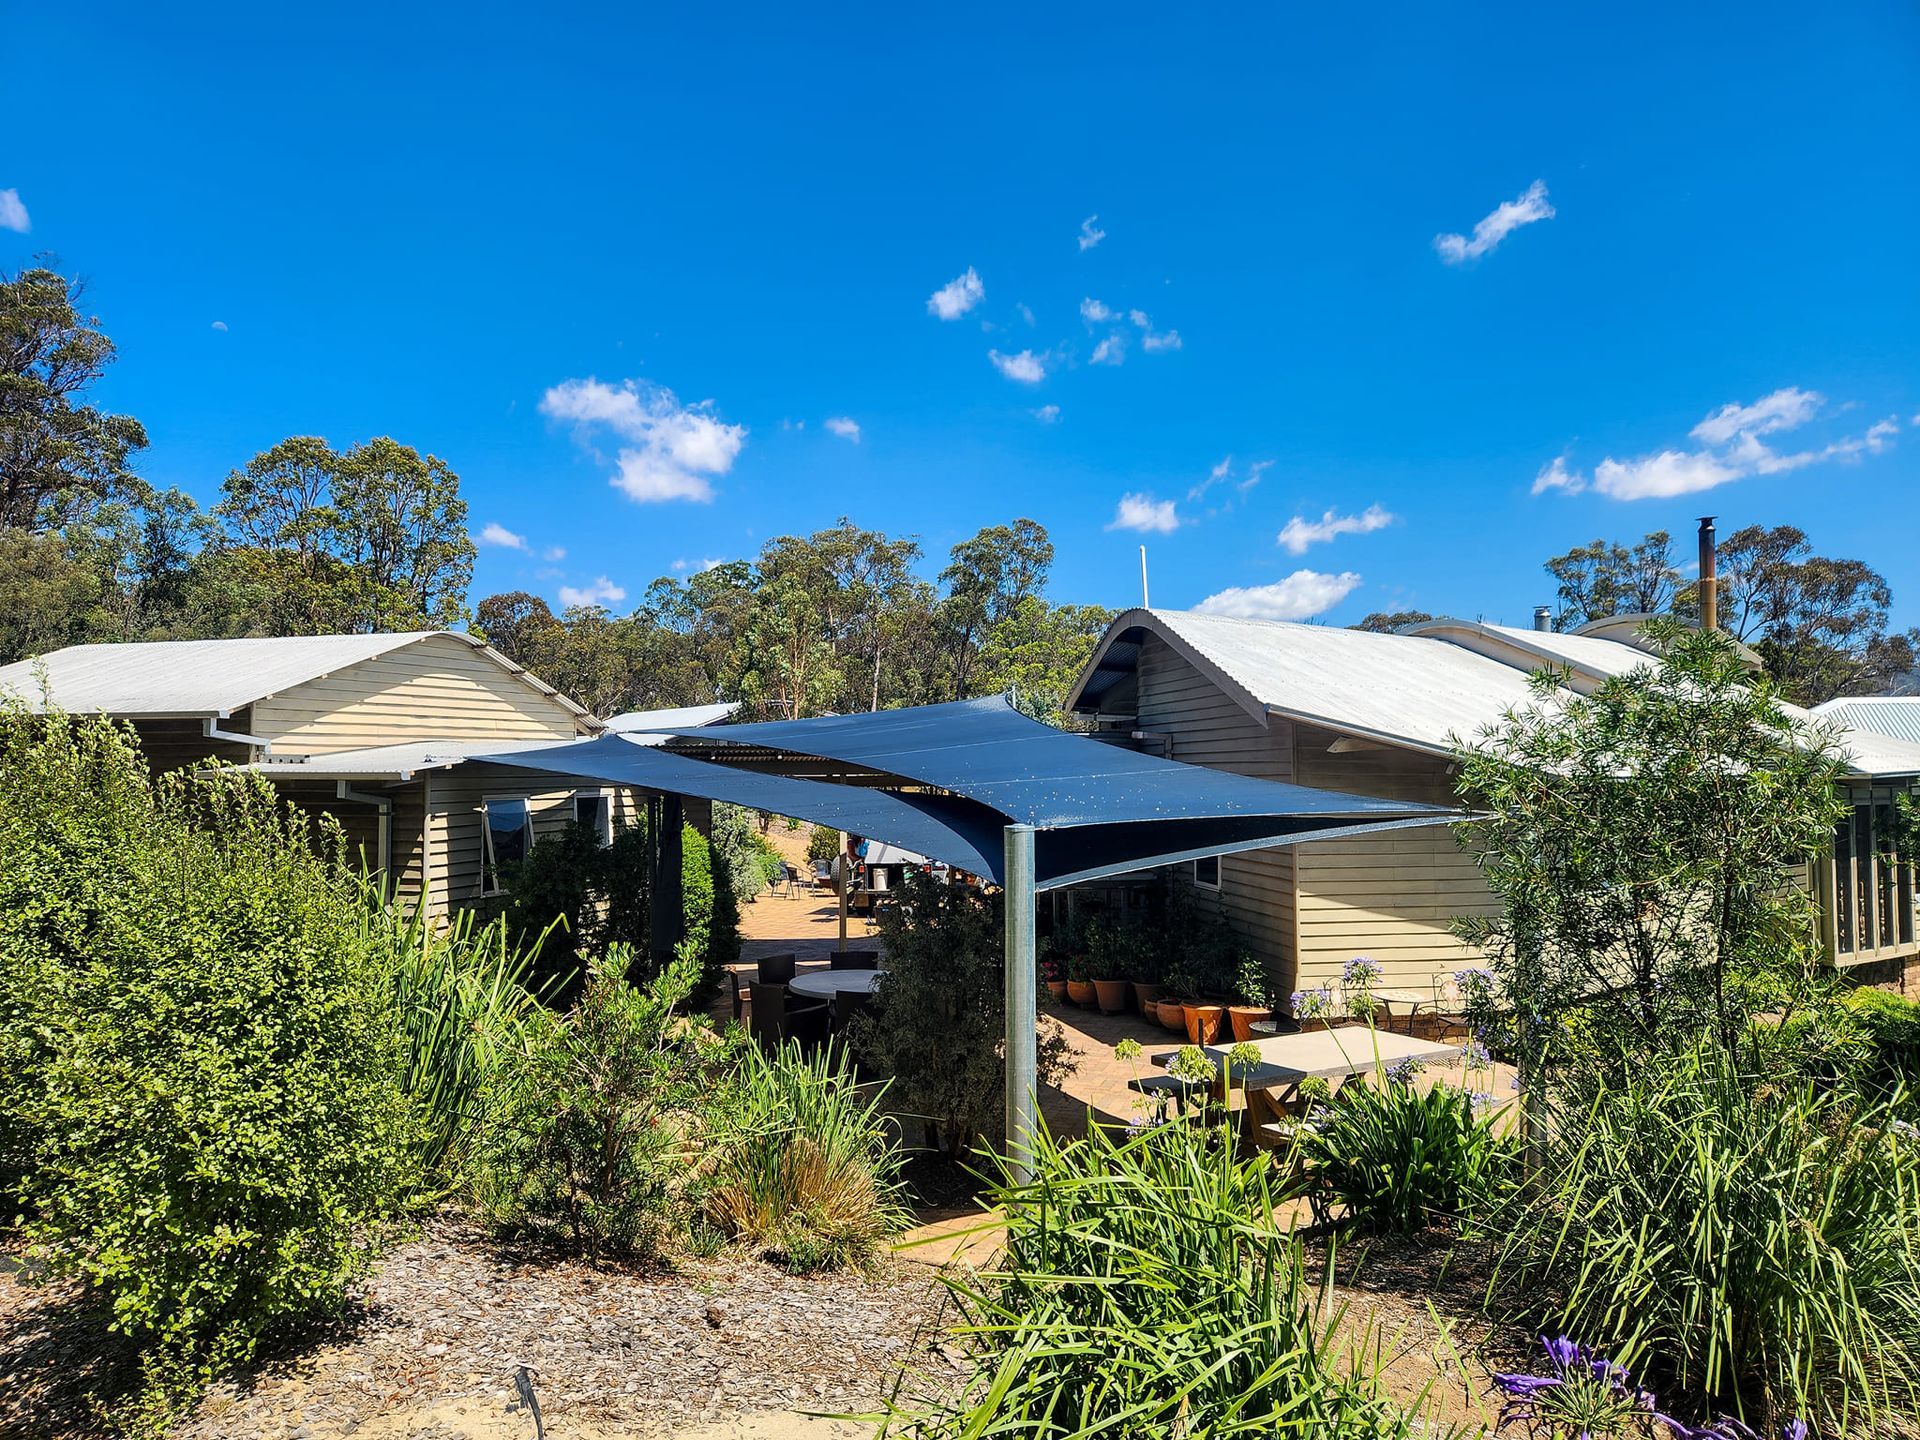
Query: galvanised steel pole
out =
(1022, 981)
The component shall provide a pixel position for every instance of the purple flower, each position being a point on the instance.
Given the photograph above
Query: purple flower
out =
(1525, 1386)
(1401, 1072)
(1360, 972)
(1795, 1429)
(1478, 1056)
(1564, 1353)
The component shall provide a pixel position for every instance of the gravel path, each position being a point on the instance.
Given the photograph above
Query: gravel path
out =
(434, 1343)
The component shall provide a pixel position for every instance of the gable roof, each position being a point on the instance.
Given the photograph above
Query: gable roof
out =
(195, 679)
(1895, 716)
(1398, 688)
(1419, 689)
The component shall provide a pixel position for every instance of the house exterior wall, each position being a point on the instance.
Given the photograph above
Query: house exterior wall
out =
(452, 860)
(1391, 896)
(439, 688)
(1202, 725)
(180, 744)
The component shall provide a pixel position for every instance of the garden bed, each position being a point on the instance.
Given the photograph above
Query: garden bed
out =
(431, 1343)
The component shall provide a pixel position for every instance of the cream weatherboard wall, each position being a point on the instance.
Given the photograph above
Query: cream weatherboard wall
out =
(1306, 910)
(438, 688)
(451, 813)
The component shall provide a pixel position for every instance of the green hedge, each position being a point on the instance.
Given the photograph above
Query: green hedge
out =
(1892, 1028)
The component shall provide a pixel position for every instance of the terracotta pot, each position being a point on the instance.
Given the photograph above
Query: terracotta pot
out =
(1080, 991)
(1146, 997)
(1059, 989)
(1243, 1017)
(1171, 1014)
(1203, 1022)
(1112, 995)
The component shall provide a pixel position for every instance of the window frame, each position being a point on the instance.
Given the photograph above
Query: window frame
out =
(489, 859)
(604, 835)
(1219, 871)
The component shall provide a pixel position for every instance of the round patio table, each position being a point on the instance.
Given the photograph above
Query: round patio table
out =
(825, 984)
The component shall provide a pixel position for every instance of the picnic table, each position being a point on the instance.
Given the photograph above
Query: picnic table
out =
(1272, 1085)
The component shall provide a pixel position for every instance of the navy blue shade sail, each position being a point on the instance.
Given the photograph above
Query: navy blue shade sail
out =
(1099, 810)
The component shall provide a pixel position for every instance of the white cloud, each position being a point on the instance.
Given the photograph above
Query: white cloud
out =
(1223, 472)
(494, 534)
(1026, 313)
(1661, 476)
(1093, 312)
(1156, 341)
(1557, 477)
(1047, 414)
(1784, 409)
(221, 326)
(554, 552)
(677, 449)
(13, 213)
(702, 566)
(1143, 512)
(1214, 477)
(602, 592)
(1529, 207)
(845, 427)
(1139, 317)
(1111, 351)
(957, 296)
(1731, 448)
(1302, 594)
(1299, 534)
(1090, 232)
(1026, 367)
(1254, 472)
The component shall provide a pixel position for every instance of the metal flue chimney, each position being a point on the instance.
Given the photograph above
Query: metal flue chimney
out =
(1709, 584)
(1542, 617)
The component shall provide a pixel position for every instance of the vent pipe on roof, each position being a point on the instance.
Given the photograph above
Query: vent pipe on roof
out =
(1709, 585)
(1542, 617)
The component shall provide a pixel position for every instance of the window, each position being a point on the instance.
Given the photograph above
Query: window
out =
(1206, 872)
(593, 811)
(506, 834)
(1873, 884)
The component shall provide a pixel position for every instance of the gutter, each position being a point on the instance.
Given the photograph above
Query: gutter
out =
(210, 727)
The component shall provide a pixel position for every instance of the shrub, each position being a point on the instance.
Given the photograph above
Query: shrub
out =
(801, 1162)
(1891, 1029)
(200, 1056)
(823, 843)
(1400, 1158)
(739, 850)
(1148, 1290)
(937, 1024)
(1757, 1247)
(589, 1135)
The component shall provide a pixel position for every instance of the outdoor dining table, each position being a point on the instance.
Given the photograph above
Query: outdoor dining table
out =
(825, 984)
(1285, 1061)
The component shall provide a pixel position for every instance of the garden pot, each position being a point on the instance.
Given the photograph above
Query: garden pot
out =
(1171, 1014)
(1203, 1022)
(1080, 991)
(1059, 989)
(1146, 996)
(1243, 1018)
(1112, 995)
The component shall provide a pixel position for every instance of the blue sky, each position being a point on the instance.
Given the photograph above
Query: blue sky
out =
(734, 221)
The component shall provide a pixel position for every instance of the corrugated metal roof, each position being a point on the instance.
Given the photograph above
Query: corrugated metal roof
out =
(1401, 688)
(211, 677)
(1895, 716)
(390, 762)
(643, 727)
(1585, 655)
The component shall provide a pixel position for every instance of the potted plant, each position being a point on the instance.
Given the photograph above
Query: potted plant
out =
(1255, 994)
(1171, 1008)
(1079, 987)
(1054, 974)
(1106, 962)
(1200, 1018)
(1145, 972)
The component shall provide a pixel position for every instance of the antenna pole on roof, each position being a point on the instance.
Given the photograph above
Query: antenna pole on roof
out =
(1145, 604)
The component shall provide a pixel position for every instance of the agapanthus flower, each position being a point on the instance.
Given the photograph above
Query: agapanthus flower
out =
(1402, 1072)
(1360, 972)
(1477, 1055)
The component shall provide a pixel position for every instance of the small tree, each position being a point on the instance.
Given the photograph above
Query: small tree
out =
(1640, 838)
(938, 1023)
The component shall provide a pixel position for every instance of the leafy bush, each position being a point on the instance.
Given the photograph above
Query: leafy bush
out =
(823, 843)
(1891, 1028)
(590, 1136)
(1400, 1158)
(739, 850)
(937, 1024)
(1758, 1247)
(801, 1162)
(200, 1056)
(712, 912)
(1148, 1290)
